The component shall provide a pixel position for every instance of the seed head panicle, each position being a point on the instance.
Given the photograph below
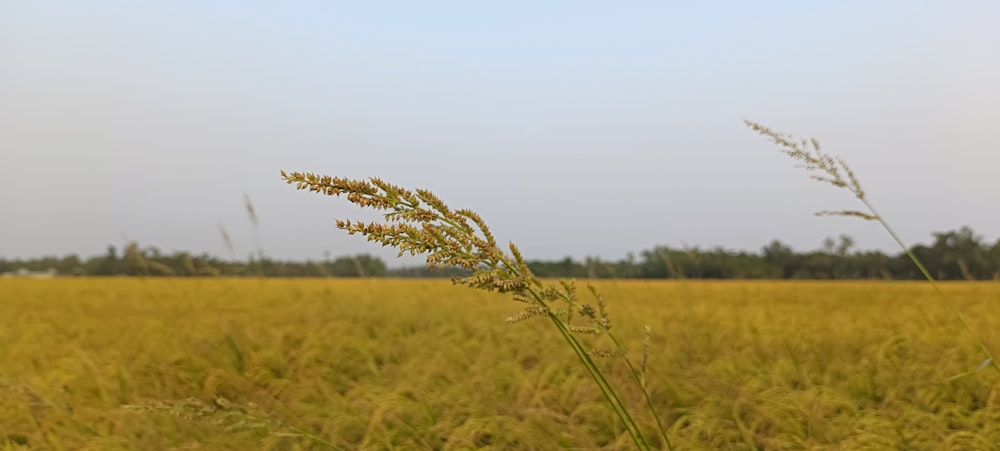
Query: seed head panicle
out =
(529, 312)
(854, 213)
(823, 167)
(644, 357)
(419, 222)
(416, 222)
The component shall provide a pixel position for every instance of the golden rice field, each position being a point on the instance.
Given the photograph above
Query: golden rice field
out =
(106, 364)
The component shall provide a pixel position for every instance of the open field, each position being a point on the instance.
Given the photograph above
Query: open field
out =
(382, 364)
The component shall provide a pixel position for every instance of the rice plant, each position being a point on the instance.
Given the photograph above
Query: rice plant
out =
(832, 170)
(282, 364)
(418, 222)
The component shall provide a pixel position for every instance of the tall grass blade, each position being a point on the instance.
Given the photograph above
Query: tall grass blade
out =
(833, 170)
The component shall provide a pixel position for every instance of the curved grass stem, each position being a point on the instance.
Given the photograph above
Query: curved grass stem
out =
(418, 222)
(606, 389)
(645, 393)
(835, 171)
(937, 288)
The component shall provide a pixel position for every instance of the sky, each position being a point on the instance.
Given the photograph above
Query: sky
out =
(574, 128)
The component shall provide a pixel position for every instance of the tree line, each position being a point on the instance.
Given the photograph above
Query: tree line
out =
(953, 255)
(133, 260)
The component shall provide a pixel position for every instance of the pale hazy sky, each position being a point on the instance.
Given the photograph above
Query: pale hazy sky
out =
(574, 128)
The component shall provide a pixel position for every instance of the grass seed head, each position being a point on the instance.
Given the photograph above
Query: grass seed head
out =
(421, 223)
(822, 167)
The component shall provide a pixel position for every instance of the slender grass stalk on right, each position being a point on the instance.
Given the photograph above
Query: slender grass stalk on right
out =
(833, 170)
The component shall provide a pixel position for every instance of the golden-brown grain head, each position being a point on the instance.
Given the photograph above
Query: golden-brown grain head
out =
(419, 222)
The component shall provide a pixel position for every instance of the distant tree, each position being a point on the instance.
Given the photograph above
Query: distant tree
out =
(363, 265)
(109, 265)
(781, 258)
(70, 265)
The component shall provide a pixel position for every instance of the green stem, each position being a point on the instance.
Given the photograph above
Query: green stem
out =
(609, 393)
(602, 383)
(645, 393)
(927, 275)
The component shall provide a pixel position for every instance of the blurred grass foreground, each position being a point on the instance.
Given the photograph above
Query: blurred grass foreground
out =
(420, 364)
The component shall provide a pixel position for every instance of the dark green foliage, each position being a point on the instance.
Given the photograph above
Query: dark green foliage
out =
(150, 262)
(953, 255)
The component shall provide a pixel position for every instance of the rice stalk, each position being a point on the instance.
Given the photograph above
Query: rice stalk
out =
(418, 222)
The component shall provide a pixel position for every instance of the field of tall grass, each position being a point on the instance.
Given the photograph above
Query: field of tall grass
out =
(421, 364)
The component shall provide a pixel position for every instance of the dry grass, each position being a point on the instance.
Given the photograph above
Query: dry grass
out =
(380, 364)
